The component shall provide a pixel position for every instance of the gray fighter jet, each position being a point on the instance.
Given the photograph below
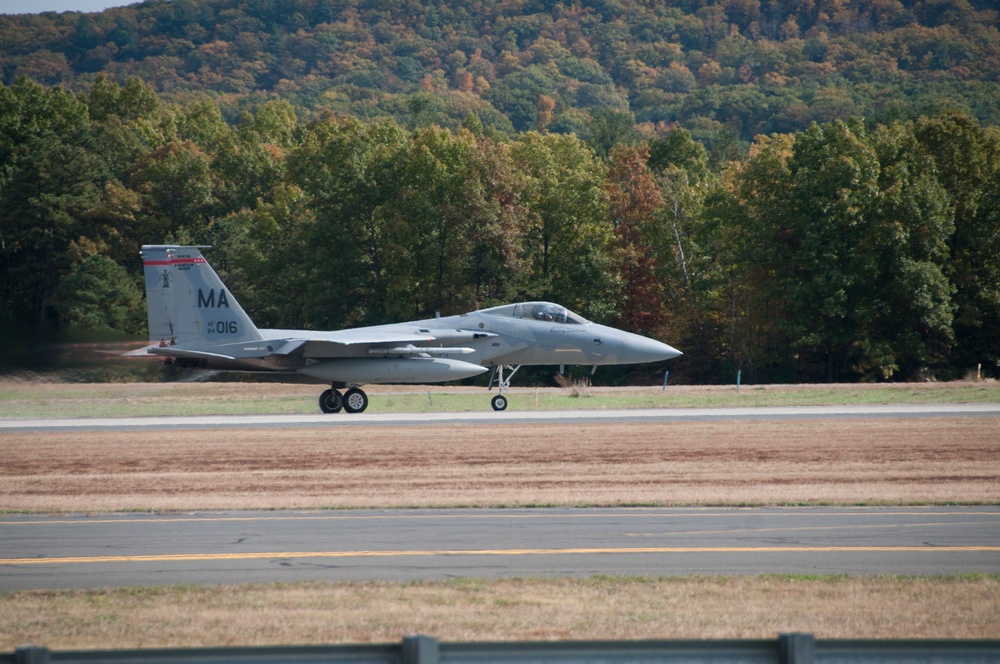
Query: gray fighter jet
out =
(194, 321)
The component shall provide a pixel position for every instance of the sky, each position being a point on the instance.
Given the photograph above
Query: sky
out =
(37, 6)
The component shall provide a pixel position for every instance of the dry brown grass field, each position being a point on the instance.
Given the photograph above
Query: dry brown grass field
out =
(504, 610)
(863, 461)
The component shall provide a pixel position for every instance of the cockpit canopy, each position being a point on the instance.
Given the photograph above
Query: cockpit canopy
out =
(541, 311)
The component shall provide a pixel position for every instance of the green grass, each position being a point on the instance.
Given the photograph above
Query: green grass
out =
(70, 407)
(29, 400)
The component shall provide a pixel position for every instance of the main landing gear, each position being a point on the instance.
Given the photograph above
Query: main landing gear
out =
(499, 402)
(353, 401)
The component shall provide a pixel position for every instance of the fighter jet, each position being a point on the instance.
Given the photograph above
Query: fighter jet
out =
(194, 321)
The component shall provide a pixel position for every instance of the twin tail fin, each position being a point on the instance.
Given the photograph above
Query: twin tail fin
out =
(187, 303)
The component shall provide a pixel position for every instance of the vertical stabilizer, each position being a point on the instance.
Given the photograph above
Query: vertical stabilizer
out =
(187, 302)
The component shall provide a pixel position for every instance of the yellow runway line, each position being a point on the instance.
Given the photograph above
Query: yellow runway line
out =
(284, 555)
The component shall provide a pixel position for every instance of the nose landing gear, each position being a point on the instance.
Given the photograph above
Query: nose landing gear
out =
(499, 402)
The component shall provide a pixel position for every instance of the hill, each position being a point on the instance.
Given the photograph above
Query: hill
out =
(726, 69)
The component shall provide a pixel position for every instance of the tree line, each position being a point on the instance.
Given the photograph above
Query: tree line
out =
(850, 250)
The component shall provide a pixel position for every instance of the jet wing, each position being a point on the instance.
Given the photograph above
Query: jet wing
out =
(377, 342)
(333, 345)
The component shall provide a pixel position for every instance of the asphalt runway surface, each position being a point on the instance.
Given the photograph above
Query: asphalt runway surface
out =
(510, 417)
(53, 552)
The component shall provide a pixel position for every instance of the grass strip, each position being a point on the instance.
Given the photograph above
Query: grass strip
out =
(711, 607)
(23, 399)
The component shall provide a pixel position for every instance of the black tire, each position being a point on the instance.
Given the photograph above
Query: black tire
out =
(355, 400)
(499, 402)
(331, 401)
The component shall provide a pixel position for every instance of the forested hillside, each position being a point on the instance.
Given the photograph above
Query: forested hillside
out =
(727, 69)
(804, 194)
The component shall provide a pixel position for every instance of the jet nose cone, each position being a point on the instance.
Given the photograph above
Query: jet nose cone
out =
(637, 349)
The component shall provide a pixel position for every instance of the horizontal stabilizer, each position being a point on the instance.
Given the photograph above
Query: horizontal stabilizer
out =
(140, 352)
(173, 351)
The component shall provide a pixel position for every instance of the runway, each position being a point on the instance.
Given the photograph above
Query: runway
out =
(235, 547)
(509, 417)
(52, 552)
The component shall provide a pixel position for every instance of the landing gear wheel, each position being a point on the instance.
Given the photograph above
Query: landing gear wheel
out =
(331, 401)
(499, 402)
(355, 401)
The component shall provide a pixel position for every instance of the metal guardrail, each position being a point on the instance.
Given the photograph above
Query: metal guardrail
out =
(786, 649)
